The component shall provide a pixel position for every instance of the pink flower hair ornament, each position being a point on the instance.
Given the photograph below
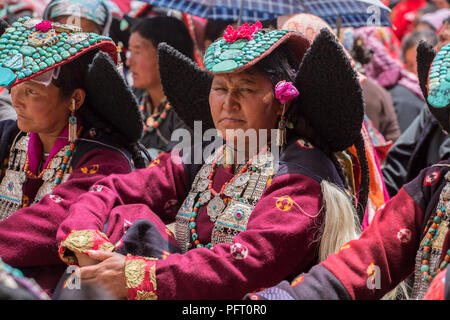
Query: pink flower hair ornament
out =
(243, 32)
(44, 26)
(285, 92)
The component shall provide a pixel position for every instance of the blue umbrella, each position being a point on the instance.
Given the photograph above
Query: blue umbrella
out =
(339, 13)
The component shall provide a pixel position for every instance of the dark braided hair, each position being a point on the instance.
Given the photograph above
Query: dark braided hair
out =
(281, 64)
(71, 77)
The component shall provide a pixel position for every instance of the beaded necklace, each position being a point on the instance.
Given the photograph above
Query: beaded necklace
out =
(61, 169)
(427, 246)
(150, 123)
(220, 194)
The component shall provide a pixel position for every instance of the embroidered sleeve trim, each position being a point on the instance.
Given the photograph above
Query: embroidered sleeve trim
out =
(80, 242)
(140, 273)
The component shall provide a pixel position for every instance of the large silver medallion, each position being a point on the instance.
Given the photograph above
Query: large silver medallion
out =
(232, 191)
(242, 179)
(215, 207)
(205, 171)
(202, 185)
(205, 197)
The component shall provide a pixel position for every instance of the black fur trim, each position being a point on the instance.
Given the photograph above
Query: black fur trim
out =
(186, 86)
(3, 26)
(425, 57)
(111, 99)
(330, 94)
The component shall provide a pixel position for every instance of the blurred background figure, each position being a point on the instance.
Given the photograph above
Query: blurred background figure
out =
(160, 120)
(409, 47)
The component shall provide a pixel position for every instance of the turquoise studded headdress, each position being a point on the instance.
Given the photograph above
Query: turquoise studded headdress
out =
(31, 47)
(439, 79)
(434, 79)
(240, 49)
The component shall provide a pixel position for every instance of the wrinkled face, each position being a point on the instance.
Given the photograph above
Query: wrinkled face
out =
(40, 109)
(143, 62)
(410, 56)
(244, 100)
(85, 24)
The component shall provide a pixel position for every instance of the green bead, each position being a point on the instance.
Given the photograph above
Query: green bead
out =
(14, 37)
(35, 69)
(443, 265)
(425, 255)
(36, 55)
(67, 46)
(192, 225)
(63, 167)
(448, 252)
(57, 58)
(432, 231)
(92, 40)
(194, 236)
(20, 75)
(50, 61)
(230, 54)
(193, 214)
(78, 47)
(427, 242)
(68, 153)
(424, 268)
(437, 219)
(85, 44)
(58, 181)
(27, 72)
(65, 54)
(72, 51)
(209, 245)
(43, 65)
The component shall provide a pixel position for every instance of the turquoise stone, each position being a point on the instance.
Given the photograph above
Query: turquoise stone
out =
(424, 268)
(239, 44)
(43, 65)
(65, 55)
(67, 46)
(439, 97)
(92, 40)
(194, 236)
(230, 54)
(60, 49)
(7, 77)
(35, 69)
(16, 24)
(226, 66)
(60, 44)
(20, 75)
(78, 47)
(36, 55)
(57, 58)
(72, 51)
(28, 51)
(14, 37)
(27, 61)
(50, 62)
(15, 62)
(85, 44)
(192, 225)
(27, 72)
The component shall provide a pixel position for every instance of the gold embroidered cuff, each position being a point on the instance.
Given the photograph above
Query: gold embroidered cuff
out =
(80, 242)
(140, 273)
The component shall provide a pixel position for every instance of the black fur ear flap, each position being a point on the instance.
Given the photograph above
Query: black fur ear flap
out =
(425, 57)
(330, 94)
(186, 86)
(111, 98)
(3, 26)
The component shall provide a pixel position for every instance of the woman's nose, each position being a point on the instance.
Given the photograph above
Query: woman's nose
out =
(231, 102)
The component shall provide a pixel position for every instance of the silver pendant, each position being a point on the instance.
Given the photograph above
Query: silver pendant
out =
(241, 179)
(215, 207)
(205, 197)
(232, 191)
(202, 185)
(48, 174)
(204, 172)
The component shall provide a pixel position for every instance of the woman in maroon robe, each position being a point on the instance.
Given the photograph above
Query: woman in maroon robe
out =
(408, 237)
(238, 226)
(71, 131)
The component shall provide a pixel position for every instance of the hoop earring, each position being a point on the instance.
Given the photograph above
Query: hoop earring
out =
(73, 123)
(281, 132)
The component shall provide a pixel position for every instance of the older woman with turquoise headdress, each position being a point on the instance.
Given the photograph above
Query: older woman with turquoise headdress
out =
(409, 237)
(243, 217)
(77, 122)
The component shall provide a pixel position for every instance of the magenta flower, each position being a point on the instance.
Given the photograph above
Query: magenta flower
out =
(243, 32)
(285, 92)
(44, 26)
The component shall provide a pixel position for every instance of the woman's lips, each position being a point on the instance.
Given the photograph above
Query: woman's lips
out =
(231, 121)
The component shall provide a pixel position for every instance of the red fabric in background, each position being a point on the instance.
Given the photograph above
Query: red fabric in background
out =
(403, 15)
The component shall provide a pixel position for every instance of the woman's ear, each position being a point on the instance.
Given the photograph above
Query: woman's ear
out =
(79, 95)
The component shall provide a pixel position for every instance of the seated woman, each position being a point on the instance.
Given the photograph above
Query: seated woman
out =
(410, 236)
(159, 118)
(243, 224)
(77, 123)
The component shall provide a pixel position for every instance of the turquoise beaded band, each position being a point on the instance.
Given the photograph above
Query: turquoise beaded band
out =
(26, 52)
(439, 79)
